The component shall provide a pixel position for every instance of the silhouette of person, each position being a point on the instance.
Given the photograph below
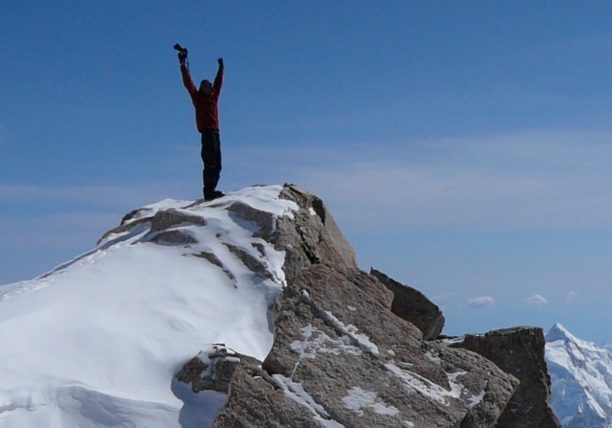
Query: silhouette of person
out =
(207, 120)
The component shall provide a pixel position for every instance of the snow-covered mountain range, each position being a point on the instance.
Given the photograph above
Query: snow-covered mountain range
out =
(581, 378)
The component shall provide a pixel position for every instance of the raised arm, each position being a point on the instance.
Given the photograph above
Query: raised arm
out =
(219, 78)
(191, 88)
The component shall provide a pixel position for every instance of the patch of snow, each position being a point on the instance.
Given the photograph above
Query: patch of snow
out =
(456, 388)
(295, 391)
(352, 331)
(453, 340)
(358, 399)
(433, 358)
(315, 340)
(476, 399)
(415, 382)
(404, 364)
(312, 211)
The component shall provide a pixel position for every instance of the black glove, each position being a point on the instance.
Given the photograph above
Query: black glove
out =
(182, 56)
(220, 61)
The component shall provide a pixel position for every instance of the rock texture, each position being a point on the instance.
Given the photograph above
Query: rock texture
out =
(311, 237)
(213, 369)
(519, 351)
(161, 224)
(336, 365)
(257, 400)
(353, 349)
(413, 306)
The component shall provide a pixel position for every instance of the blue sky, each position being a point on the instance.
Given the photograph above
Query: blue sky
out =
(464, 147)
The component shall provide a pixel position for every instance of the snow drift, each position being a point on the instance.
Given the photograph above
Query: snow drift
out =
(96, 342)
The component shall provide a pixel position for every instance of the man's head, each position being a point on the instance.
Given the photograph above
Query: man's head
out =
(205, 87)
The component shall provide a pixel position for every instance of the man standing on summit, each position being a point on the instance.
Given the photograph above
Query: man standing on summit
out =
(207, 120)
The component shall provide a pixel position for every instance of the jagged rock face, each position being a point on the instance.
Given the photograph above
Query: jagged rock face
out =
(214, 368)
(341, 354)
(351, 348)
(311, 236)
(519, 351)
(413, 306)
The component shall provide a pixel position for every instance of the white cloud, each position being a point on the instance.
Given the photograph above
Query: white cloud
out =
(529, 181)
(571, 296)
(537, 300)
(481, 301)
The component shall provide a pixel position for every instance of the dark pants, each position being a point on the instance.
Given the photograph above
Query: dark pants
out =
(211, 156)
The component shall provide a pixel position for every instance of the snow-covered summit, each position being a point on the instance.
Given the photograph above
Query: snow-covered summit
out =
(581, 378)
(559, 332)
(248, 310)
(96, 342)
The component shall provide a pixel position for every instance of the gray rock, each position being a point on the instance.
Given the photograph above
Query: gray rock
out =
(261, 223)
(311, 236)
(413, 306)
(485, 406)
(213, 259)
(252, 263)
(213, 368)
(519, 351)
(172, 237)
(255, 400)
(355, 349)
(363, 366)
(161, 221)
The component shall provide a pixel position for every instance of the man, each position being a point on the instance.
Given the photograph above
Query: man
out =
(207, 120)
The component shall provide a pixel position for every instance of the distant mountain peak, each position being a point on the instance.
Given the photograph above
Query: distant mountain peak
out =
(581, 379)
(559, 332)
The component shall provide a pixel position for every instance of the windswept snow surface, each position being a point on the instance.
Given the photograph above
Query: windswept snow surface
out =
(581, 379)
(96, 342)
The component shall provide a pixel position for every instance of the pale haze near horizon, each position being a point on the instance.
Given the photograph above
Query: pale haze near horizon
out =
(463, 149)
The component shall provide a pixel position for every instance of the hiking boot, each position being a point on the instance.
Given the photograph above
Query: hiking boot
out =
(213, 195)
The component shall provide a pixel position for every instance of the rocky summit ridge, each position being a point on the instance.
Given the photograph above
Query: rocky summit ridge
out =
(358, 349)
(254, 305)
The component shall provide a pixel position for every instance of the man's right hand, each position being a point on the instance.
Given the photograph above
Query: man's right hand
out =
(182, 57)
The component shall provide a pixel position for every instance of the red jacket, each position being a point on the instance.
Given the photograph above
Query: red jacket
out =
(207, 115)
